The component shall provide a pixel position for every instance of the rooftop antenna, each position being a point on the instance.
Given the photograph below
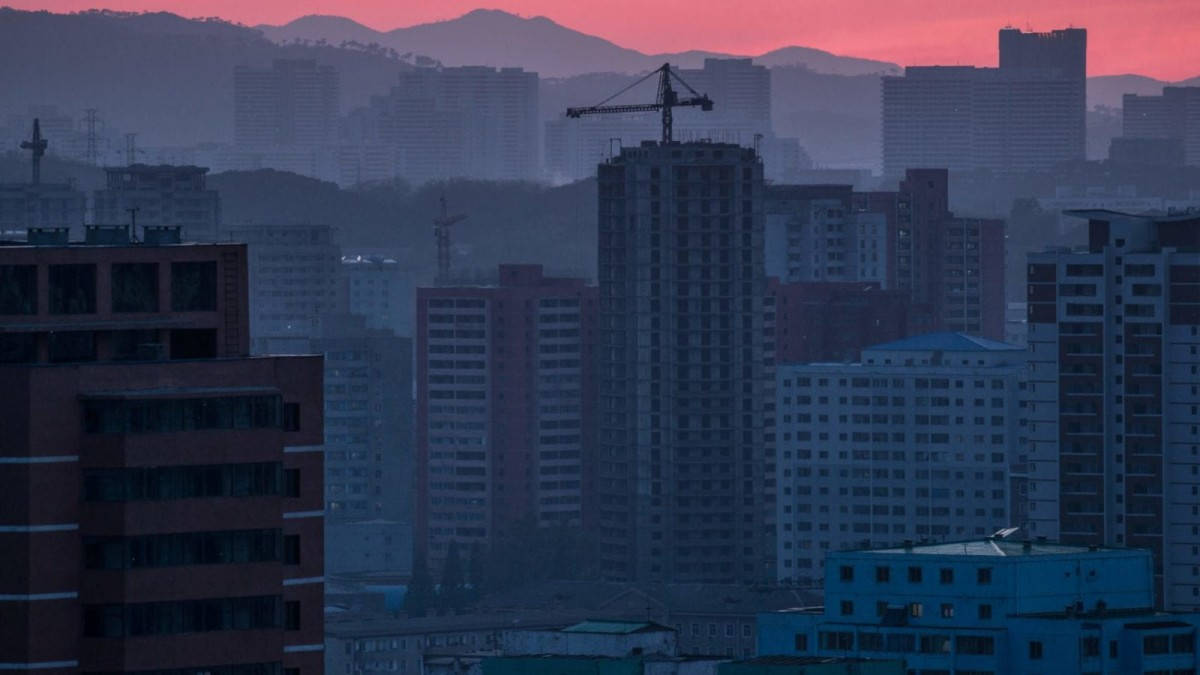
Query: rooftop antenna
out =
(37, 146)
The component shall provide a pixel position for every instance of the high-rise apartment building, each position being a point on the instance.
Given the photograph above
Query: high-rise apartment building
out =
(168, 196)
(504, 407)
(24, 205)
(1114, 340)
(950, 268)
(296, 277)
(1026, 115)
(471, 121)
(1175, 116)
(916, 441)
(294, 103)
(682, 465)
(381, 289)
(835, 321)
(161, 496)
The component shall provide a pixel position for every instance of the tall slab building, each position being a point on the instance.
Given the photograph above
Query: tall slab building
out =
(682, 453)
(1114, 340)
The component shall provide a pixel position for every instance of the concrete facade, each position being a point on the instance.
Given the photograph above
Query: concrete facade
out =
(164, 196)
(918, 440)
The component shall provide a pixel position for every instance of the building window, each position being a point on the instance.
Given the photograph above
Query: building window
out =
(916, 610)
(255, 479)
(291, 417)
(186, 616)
(800, 642)
(1090, 646)
(983, 576)
(1156, 644)
(194, 286)
(975, 644)
(947, 611)
(985, 611)
(71, 346)
(914, 575)
(846, 573)
(18, 289)
(291, 615)
(1183, 644)
(174, 550)
(291, 549)
(72, 289)
(946, 575)
(1035, 649)
(883, 574)
(291, 483)
(135, 287)
(159, 415)
(847, 608)
(194, 343)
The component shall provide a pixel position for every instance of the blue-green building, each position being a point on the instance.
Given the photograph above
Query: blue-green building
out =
(991, 607)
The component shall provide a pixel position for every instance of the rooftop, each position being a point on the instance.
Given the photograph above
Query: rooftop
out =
(992, 547)
(945, 342)
(607, 627)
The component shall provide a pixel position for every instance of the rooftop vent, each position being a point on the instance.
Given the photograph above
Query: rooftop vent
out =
(48, 236)
(111, 235)
(161, 235)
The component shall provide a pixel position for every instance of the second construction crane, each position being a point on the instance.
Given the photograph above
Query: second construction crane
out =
(441, 232)
(668, 99)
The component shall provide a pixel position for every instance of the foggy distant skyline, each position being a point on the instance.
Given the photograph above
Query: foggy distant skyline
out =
(1157, 38)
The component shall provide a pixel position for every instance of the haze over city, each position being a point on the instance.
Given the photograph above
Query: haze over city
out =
(617, 338)
(1150, 37)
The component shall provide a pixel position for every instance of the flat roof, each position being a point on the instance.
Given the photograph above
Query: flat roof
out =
(993, 548)
(608, 627)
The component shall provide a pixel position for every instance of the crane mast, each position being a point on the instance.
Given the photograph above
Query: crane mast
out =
(441, 233)
(668, 100)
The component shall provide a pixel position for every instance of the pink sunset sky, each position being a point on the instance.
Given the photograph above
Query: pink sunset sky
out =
(1159, 38)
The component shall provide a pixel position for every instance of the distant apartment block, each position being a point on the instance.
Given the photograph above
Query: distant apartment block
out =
(469, 121)
(830, 321)
(915, 441)
(160, 503)
(1114, 340)
(381, 289)
(504, 407)
(950, 268)
(295, 277)
(1174, 116)
(24, 205)
(990, 605)
(164, 195)
(1026, 115)
(294, 103)
(683, 460)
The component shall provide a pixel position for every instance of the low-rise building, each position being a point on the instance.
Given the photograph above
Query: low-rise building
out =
(991, 606)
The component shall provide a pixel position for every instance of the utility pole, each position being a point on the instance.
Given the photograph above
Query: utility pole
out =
(37, 147)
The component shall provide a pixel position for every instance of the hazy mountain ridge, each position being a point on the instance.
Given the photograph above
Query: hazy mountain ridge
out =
(539, 44)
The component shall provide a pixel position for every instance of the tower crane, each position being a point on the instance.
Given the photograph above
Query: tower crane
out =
(441, 232)
(37, 147)
(668, 99)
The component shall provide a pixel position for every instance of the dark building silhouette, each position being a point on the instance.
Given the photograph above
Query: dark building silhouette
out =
(163, 195)
(1173, 116)
(294, 103)
(1029, 114)
(160, 506)
(505, 407)
(683, 459)
(1114, 336)
(831, 321)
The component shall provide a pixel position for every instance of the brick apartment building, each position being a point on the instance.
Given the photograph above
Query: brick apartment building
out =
(161, 495)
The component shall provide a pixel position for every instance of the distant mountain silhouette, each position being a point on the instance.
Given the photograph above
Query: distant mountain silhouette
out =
(497, 38)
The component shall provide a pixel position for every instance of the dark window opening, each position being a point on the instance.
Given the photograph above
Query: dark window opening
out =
(181, 414)
(174, 550)
(67, 346)
(291, 611)
(291, 549)
(258, 479)
(72, 289)
(186, 616)
(291, 417)
(18, 348)
(139, 345)
(18, 289)
(194, 286)
(198, 343)
(135, 287)
(291, 483)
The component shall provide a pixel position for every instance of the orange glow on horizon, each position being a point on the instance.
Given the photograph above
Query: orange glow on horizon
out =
(1157, 38)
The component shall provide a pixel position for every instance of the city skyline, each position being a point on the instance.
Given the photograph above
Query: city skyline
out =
(1148, 38)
